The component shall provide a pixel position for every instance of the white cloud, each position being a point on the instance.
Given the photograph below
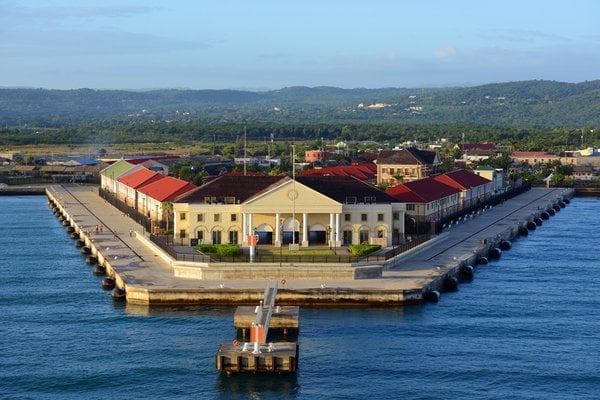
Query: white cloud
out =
(445, 52)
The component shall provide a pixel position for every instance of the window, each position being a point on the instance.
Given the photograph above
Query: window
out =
(350, 199)
(233, 237)
(347, 217)
(182, 233)
(363, 236)
(233, 219)
(217, 217)
(200, 217)
(396, 215)
(182, 216)
(380, 217)
(216, 237)
(347, 237)
(200, 236)
(410, 207)
(380, 233)
(363, 217)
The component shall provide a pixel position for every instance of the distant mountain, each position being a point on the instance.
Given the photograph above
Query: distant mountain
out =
(546, 103)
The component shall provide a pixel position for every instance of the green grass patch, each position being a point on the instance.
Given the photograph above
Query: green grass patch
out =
(363, 249)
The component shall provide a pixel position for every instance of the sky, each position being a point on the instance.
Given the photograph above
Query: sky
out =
(266, 45)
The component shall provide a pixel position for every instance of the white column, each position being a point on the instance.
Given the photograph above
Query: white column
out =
(244, 230)
(251, 224)
(277, 230)
(304, 230)
(175, 233)
(338, 229)
(331, 228)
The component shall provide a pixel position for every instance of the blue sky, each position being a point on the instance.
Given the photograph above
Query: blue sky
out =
(223, 44)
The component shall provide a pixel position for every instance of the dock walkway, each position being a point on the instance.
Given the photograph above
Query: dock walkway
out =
(147, 275)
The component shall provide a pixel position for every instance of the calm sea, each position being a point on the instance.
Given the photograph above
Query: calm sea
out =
(526, 327)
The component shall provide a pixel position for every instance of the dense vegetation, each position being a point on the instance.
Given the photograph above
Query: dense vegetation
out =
(534, 114)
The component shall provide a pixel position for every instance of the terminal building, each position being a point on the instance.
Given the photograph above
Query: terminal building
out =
(306, 211)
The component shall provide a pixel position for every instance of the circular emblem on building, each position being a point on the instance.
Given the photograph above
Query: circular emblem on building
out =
(292, 194)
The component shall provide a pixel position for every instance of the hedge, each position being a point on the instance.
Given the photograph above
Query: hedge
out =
(363, 249)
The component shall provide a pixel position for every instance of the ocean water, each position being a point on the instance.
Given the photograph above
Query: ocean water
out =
(526, 327)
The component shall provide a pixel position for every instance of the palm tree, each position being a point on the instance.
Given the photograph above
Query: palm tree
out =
(167, 209)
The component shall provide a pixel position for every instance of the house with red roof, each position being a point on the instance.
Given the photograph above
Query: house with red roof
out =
(128, 184)
(152, 196)
(473, 188)
(364, 171)
(427, 199)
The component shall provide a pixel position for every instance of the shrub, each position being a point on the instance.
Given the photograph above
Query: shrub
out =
(363, 249)
(224, 250)
(228, 249)
(206, 248)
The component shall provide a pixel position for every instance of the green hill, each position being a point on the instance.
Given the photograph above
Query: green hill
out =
(544, 103)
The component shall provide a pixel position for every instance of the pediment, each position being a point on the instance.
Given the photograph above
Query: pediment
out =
(292, 196)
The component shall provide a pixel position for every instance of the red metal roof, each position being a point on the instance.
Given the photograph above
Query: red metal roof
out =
(167, 188)
(529, 154)
(467, 147)
(421, 191)
(462, 179)
(365, 171)
(141, 177)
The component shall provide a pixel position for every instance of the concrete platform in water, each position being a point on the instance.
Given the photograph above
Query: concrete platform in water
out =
(283, 318)
(273, 357)
(147, 274)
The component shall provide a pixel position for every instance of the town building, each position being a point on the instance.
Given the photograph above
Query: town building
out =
(427, 200)
(152, 197)
(400, 166)
(366, 172)
(496, 175)
(309, 210)
(539, 157)
(311, 156)
(128, 184)
(472, 152)
(474, 189)
(110, 175)
(584, 173)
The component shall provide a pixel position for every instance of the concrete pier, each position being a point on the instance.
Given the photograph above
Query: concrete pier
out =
(147, 274)
(284, 318)
(274, 357)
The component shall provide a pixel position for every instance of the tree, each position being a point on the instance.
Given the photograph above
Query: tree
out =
(167, 209)
(560, 180)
